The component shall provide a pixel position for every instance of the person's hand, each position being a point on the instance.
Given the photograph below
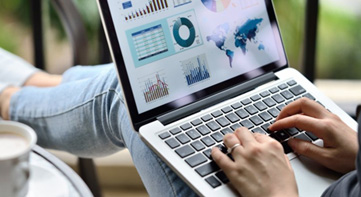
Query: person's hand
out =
(340, 141)
(260, 168)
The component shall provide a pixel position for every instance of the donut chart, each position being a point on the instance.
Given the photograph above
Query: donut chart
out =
(192, 32)
(216, 5)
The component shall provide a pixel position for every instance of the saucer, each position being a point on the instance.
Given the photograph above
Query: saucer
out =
(46, 182)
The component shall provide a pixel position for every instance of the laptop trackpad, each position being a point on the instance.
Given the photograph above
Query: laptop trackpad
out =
(312, 178)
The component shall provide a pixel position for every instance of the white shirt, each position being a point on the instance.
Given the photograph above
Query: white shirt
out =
(13, 70)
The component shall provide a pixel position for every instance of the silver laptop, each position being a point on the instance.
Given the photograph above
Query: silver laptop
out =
(195, 70)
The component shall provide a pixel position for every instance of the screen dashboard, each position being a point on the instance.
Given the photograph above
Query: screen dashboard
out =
(173, 49)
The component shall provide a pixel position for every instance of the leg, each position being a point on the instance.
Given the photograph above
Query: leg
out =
(5, 97)
(43, 79)
(88, 118)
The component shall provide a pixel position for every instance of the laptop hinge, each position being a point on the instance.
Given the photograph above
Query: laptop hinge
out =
(216, 98)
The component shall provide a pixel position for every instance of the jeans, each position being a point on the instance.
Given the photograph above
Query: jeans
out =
(86, 115)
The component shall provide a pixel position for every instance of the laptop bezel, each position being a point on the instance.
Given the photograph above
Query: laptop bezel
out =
(139, 119)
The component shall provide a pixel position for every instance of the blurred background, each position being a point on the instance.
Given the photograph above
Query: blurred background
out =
(338, 44)
(338, 61)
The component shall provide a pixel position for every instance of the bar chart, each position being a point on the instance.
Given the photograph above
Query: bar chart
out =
(153, 6)
(195, 69)
(155, 89)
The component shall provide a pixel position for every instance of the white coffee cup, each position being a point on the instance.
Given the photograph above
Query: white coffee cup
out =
(16, 142)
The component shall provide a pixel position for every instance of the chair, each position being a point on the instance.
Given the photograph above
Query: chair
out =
(76, 33)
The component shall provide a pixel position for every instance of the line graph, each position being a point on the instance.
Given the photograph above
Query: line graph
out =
(155, 88)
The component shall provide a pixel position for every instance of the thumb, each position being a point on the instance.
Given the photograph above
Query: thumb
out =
(308, 149)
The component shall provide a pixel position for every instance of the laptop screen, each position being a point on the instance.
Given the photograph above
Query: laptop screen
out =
(175, 52)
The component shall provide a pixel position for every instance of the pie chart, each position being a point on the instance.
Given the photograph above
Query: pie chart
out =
(216, 5)
(184, 42)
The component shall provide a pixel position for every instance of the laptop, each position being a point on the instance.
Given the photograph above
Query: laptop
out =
(195, 70)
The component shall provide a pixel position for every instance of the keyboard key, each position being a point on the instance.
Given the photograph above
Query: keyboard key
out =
(223, 122)
(186, 126)
(311, 135)
(242, 113)
(218, 137)
(222, 148)
(185, 151)
(282, 86)
(297, 98)
(280, 107)
(273, 135)
(172, 143)
(208, 141)
(236, 105)
(292, 83)
(203, 130)
(258, 130)
(265, 127)
(226, 130)
(297, 90)
(286, 148)
(207, 169)
(232, 117)
(265, 116)
(212, 181)
(208, 153)
(292, 131)
(278, 98)
(226, 109)
(251, 109)
(182, 138)
(287, 94)
(308, 95)
(217, 114)
(269, 102)
(164, 135)
(235, 126)
(265, 93)
(274, 112)
(246, 101)
(193, 134)
(260, 106)
(255, 97)
(197, 145)
(196, 122)
(221, 176)
(196, 160)
(288, 102)
(248, 124)
(273, 90)
(175, 131)
(282, 135)
(206, 118)
(256, 120)
(304, 137)
(213, 126)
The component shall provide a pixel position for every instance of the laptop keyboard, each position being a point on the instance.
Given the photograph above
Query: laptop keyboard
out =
(193, 141)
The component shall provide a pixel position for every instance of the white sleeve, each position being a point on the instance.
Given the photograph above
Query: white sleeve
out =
(14, 70)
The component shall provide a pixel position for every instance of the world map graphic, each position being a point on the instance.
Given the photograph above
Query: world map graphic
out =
(242, 36)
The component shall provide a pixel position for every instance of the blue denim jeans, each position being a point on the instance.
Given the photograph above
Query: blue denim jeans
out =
(86, 115)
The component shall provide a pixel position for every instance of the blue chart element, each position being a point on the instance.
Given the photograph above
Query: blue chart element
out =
(197, 73)
(247, 32)
(149, 42)
(192, 32)
(127, 5)
(244, 34)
